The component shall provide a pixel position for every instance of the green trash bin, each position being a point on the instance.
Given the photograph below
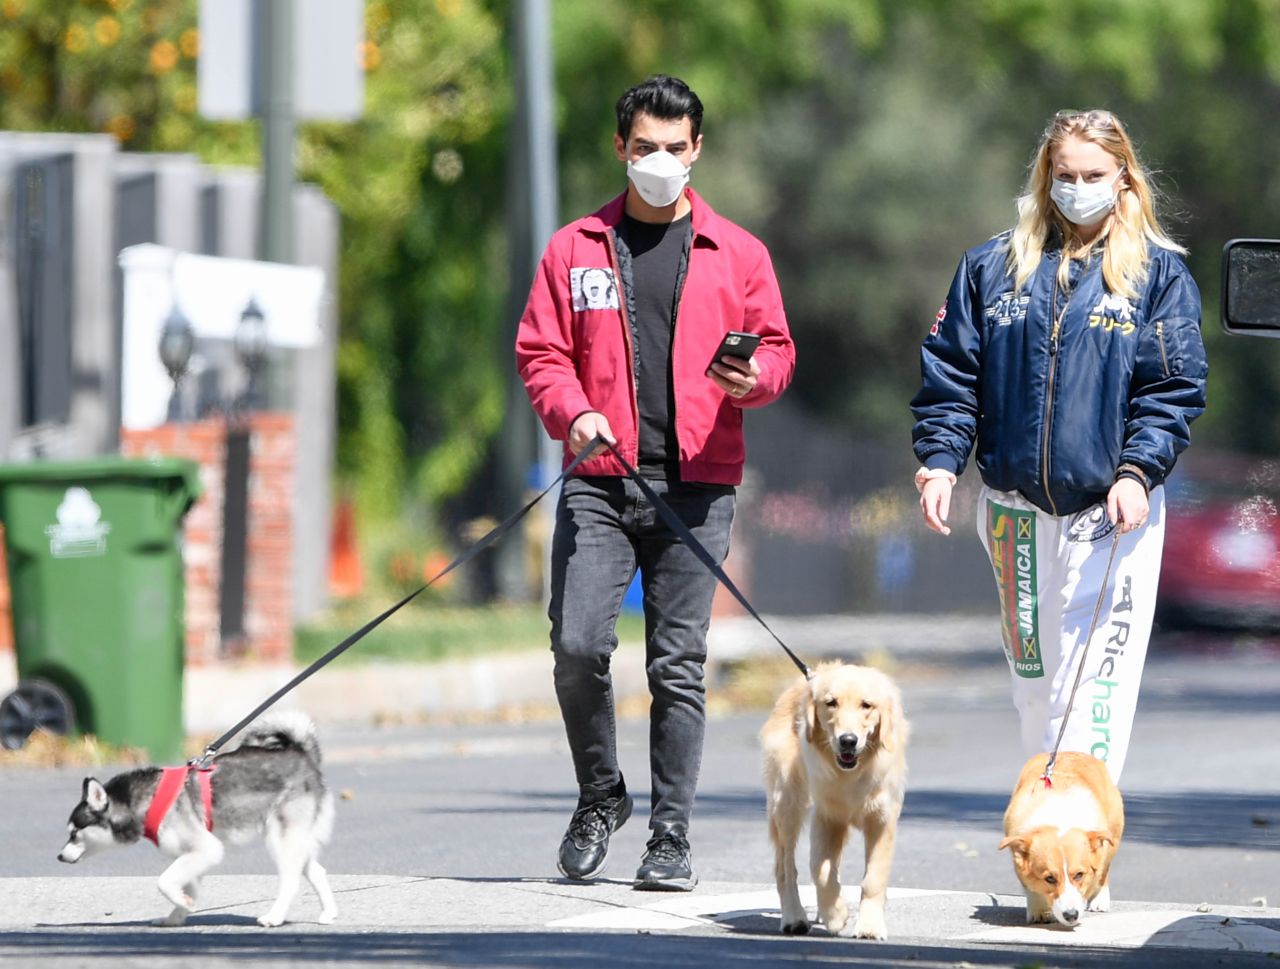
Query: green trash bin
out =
(96, 576)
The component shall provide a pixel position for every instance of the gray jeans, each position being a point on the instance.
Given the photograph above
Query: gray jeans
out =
(606, 529)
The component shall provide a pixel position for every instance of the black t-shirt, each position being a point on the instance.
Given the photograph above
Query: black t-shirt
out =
(656, 251)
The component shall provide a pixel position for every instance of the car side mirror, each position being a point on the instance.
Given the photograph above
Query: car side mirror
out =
(1251, 287)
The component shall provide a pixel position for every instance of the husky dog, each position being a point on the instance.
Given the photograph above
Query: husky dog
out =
(269, 786)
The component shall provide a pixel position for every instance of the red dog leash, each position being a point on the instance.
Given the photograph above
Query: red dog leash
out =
(172, 780)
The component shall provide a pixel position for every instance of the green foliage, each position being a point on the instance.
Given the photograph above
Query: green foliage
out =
(418, 181)
(867, 141)
(122, 66)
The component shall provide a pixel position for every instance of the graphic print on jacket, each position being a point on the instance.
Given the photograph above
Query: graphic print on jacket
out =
(1011, 534)
(593, 288)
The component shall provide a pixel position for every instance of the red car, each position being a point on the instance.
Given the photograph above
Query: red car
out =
(1221, 563)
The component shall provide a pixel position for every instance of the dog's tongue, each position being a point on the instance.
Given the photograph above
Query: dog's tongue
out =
(848, 760)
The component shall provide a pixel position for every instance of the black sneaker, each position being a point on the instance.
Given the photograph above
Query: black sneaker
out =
(666, 866)
(584, 852)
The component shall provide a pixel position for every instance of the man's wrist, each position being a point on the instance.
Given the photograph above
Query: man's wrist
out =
(578, 418)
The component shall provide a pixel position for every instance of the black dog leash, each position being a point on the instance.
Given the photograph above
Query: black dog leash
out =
(492, 536)
(682, 530)
(670, 517)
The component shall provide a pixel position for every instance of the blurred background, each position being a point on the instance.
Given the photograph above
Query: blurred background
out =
(867, 142)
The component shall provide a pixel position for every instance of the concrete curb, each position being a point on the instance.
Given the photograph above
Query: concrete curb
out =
(215, 697)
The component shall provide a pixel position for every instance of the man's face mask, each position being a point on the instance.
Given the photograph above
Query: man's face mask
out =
(659, 177)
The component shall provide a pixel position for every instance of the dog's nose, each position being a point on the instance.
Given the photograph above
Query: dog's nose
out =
(1071, 915)
(848, 741)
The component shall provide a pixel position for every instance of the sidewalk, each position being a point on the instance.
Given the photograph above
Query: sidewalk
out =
(98, 907)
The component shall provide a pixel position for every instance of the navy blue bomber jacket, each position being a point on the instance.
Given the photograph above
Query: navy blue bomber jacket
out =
(1055, 410)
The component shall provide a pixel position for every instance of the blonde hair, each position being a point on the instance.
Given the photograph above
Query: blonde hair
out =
(1130, 226)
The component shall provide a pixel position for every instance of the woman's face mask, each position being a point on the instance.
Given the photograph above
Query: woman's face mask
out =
(659, 177)
(1087, 203)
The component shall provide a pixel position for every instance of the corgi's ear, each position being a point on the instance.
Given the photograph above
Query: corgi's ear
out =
(1099, 838)
(94, 794)
(1015, 843)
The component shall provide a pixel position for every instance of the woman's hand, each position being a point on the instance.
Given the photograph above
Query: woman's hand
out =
(935, 503)
(1127, 504)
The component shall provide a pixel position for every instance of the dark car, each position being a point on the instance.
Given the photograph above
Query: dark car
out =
(1221, 564)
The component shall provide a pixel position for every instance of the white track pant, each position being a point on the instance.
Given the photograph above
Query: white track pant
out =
(1049, 571)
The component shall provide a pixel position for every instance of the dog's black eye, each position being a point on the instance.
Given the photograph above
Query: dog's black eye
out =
(1078, 876)
(867, 705)
(84, 816)
(831, 701)
(1051, 879)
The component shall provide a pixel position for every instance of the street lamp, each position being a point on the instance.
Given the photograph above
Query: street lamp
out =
(176, 341)
(251, 347)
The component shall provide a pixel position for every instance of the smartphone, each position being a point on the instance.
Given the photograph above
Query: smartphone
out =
(736, 344)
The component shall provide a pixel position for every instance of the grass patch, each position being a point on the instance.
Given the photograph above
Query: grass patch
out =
(432, 632)
(45, 749)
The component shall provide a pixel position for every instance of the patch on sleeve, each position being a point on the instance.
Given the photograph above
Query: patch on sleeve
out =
(593, 288)
(937, 320)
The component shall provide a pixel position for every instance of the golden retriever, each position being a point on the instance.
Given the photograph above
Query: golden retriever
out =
(1064, 835)
(837, 741)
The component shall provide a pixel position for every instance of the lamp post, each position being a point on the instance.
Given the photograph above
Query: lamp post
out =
(176, 341)
(251, 348)
(250, 341)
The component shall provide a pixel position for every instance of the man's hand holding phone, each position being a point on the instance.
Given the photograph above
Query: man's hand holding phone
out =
(733, 368)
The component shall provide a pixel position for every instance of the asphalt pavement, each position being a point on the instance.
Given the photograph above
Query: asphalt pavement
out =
(443, 851)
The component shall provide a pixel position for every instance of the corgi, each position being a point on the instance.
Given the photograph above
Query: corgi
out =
(1063, 836)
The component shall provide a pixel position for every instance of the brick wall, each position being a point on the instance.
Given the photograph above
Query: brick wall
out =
(204, 443)
(268, 617)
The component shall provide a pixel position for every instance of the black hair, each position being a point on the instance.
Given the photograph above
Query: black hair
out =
(663, 97)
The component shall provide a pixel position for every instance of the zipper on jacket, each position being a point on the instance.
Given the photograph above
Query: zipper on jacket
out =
(1048, 397)
(1164, 356)
(626, 336)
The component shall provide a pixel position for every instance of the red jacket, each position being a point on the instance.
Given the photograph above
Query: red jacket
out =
(574, 358)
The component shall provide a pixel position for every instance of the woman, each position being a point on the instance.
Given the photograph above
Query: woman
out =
(1068, 353)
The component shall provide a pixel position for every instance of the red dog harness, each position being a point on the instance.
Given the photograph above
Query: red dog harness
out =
(172, 780)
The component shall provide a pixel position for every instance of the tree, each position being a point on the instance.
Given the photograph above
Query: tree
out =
(867, 141)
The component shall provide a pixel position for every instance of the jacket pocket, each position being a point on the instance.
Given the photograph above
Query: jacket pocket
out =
(1179, 350)
(1164, 350)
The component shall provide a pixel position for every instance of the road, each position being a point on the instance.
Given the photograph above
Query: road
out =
(445, 842)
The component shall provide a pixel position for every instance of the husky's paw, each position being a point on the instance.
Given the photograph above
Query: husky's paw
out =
(174, 919)
(797, 927)
(270, 920)
(179, 898)
(1102, 901)
(327, 916)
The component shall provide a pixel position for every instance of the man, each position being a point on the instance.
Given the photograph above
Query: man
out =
(636, 369)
